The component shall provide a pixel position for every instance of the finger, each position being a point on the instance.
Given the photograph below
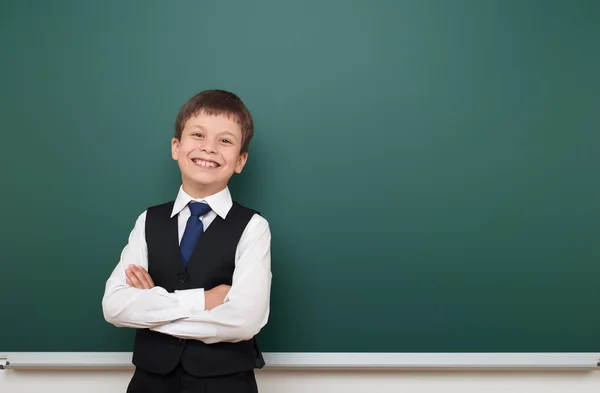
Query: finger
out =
(142, 277)
(146, 275)
(135, 282)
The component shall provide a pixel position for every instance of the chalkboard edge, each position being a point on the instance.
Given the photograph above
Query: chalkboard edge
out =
(329, 361)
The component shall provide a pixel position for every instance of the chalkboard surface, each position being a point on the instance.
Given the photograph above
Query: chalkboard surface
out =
(429, 169)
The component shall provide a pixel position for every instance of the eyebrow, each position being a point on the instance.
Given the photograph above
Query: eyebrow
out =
(229, 133)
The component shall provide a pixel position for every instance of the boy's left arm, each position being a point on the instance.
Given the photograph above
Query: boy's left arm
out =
(245, 309)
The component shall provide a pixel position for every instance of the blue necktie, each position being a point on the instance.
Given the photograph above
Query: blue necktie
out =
(193, 230)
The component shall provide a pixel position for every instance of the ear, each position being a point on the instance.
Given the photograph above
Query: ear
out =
(175, 148)
(241, 162)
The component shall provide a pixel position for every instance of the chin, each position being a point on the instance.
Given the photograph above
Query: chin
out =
(204, 181)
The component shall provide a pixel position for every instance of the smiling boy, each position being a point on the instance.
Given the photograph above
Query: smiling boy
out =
(195, 276)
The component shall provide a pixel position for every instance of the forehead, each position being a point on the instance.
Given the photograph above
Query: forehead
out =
(218, 122)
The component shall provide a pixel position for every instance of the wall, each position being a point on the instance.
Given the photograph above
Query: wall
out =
(12, 381)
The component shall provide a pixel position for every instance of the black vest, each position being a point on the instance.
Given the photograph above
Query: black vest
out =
(211, 264)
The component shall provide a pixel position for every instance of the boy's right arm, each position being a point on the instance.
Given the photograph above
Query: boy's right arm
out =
(127, 306)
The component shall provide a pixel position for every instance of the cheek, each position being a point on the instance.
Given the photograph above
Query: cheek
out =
(232, 159)
(184, 150)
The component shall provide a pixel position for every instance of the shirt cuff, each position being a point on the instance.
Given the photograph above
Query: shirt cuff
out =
(191, 301)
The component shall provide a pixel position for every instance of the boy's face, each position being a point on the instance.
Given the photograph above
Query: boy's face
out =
(208, 153)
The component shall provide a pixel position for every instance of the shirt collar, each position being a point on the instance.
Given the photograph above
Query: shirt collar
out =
(220, 202)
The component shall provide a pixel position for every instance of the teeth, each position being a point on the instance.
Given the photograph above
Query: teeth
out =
(205, 164)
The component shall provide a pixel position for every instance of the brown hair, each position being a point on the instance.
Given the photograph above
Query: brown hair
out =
(217, 102)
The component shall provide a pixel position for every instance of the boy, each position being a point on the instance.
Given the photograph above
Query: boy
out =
(194, 278)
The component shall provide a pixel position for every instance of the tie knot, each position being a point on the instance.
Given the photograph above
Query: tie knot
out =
(198, 209)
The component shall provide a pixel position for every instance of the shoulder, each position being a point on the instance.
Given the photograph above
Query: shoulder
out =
(139, 226)
(155, 215)
(150, 213)
(161, 208)
(238, 207)
(257, 225)
(251, 214)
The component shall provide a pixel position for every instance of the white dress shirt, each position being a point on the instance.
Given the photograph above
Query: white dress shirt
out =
(182, 313)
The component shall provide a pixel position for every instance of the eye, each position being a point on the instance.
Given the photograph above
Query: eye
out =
(197, 134)
(225, 140)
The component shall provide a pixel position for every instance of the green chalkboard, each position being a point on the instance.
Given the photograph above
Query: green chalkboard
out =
(429, 168)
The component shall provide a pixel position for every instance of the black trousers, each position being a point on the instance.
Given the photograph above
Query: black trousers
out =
(179, 381)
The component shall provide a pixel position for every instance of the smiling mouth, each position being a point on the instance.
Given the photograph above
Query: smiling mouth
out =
(205, 163)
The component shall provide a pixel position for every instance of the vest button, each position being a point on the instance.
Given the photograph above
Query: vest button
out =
(182, 341)
(182, 278)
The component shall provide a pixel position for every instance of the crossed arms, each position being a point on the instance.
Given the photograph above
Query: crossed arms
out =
(221, 314)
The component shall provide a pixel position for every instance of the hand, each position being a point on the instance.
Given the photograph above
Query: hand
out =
(215, 297)
(138, 277)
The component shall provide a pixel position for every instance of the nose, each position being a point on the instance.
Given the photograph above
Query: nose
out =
(209, 146)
